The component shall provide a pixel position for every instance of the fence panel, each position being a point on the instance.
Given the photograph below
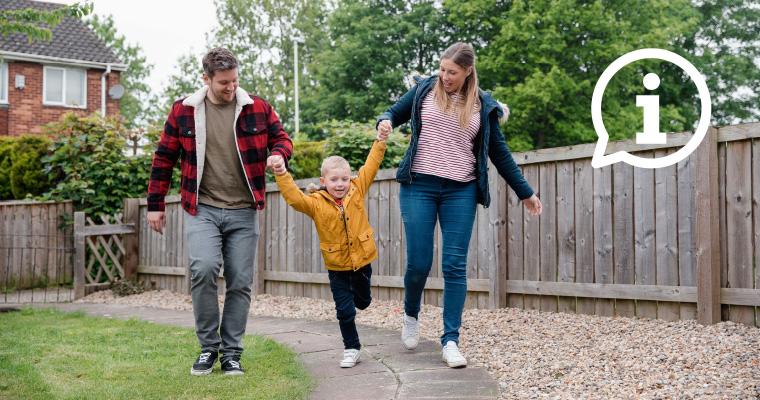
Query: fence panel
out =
(36, 248)
(612, 241)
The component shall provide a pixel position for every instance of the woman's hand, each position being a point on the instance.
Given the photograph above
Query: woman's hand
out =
(384, 129)
(533, 205)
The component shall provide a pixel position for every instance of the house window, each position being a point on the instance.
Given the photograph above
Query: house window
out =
(65, 87)
(3, 83)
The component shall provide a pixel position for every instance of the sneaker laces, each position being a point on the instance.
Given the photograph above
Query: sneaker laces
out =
(204, 357)
(234, 364)
(452, 350)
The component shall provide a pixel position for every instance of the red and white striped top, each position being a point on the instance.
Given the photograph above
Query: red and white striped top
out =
(444, 148)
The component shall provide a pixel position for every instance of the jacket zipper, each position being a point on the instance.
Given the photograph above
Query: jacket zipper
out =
(414, 150)
(345, 227)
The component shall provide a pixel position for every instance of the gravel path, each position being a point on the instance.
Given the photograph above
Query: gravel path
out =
(555, 355)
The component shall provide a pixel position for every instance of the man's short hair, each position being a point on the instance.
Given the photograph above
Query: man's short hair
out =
(218, 59)
(333, 162)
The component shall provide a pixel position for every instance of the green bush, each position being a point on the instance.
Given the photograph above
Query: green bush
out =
(89, 167)
(27, 177)
(6, 150)
(353, 140)
(21, 170)
(306, 159)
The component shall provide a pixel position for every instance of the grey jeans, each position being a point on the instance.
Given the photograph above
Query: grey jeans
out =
(214, 236)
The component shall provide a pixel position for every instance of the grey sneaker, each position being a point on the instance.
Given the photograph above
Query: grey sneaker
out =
(204, 364)
(410, 332)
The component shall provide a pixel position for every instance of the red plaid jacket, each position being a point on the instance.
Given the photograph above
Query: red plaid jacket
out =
(258, 132)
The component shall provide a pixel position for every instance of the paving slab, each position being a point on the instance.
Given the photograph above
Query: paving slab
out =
(386, 371)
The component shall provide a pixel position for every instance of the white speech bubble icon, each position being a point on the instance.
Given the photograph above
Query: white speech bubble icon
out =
(599, 159)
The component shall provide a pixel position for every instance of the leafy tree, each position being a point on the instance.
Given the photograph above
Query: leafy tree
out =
(36, 23)
(726, 49)
(133, 106)
(261, 34)
(182, 83)
(544, 57)
(376, 45)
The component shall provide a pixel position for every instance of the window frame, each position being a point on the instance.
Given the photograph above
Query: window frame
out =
(4, 92)
(62, 103)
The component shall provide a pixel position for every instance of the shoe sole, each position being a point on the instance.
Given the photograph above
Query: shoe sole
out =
(409, 347)
(200, 372)
(349, 366)
(233, 373)
(455, 365)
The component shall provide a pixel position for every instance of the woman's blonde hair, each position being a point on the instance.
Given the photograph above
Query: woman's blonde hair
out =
(463, 55)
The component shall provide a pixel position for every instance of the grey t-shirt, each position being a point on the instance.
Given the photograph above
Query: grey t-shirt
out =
(223, 182)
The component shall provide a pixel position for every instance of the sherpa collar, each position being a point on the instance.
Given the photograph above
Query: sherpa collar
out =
(197, 98)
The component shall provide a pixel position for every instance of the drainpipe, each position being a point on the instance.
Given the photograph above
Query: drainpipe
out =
(103, 90)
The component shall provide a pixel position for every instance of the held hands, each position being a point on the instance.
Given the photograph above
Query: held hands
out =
(157, 221)
(384, 129)
(533, 205)
(276, 164)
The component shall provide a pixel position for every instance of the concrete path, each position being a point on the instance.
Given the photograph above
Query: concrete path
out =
(387, 371)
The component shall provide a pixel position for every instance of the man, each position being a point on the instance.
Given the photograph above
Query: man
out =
(225, 139)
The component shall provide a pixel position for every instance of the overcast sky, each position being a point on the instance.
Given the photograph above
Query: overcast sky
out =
(164, 29)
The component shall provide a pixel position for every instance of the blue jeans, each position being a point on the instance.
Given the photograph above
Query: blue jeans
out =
(214, 236)
(426, 200)
(350, 290)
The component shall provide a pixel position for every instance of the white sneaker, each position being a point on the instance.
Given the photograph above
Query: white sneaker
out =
(410, 332)
(451, 355)
(350, 358)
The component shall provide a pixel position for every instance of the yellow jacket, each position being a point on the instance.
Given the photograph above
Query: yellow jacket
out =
(345, 235)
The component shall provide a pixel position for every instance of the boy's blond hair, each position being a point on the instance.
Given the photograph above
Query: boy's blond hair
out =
(328, 164)
(333, 162)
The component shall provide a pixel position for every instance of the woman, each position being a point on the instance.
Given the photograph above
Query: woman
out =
(443, 176)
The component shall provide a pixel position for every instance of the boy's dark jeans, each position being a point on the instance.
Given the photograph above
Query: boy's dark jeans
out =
(351, 290)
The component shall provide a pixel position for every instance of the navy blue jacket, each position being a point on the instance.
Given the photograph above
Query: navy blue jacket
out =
(489, 141)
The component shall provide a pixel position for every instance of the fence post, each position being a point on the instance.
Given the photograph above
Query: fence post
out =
(131, 241)
(79, 255)
(706, 246)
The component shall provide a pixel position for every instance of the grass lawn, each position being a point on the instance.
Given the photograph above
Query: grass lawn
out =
(47, 354)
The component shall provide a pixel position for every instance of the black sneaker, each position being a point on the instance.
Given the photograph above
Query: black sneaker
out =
(204, 364)
(231, 366)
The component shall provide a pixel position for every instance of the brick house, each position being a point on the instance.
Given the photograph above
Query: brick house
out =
(40, 81)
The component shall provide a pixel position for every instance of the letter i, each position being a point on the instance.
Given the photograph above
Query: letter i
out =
(651, 106)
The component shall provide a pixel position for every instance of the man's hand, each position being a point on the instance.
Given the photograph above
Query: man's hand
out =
(277, 164)
(157, 221)
(384, 129)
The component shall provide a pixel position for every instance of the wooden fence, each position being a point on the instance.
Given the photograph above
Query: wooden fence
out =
(35, 253)
(671, 243)
(104, 253)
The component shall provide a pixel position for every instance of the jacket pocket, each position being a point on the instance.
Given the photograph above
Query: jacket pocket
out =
(250, 127)
(367, 243)
(187, 138)
(333, 253)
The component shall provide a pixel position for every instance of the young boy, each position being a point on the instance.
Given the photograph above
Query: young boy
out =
(345, 235)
